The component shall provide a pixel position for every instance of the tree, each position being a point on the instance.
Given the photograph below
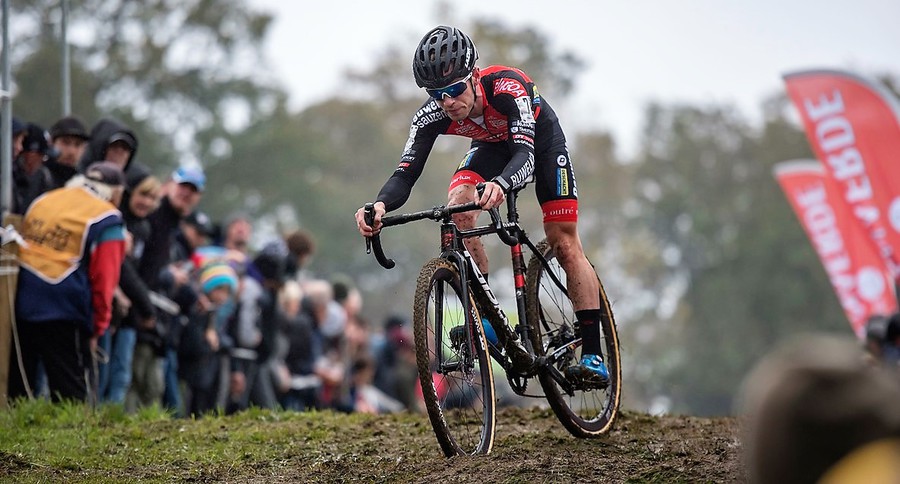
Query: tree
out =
(748, 274)
(185, 75)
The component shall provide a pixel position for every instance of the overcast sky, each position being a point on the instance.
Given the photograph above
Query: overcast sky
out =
(722, 51)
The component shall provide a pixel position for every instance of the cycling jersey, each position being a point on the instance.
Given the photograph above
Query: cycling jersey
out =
(514, 117)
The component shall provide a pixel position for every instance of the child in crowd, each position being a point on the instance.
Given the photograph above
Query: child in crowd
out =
(199, 361)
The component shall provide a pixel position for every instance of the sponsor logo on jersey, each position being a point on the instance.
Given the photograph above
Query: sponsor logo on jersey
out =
(561, 211)
(524, 174)
(497, 122)
(407, 150)
(523, 128)
(403, 165)
(467, 159)
(525, 114)
(464, 129)
(424, 120)
(428, 108)
(521, 138)
(509, 86)
(561, 160)
(562, 182)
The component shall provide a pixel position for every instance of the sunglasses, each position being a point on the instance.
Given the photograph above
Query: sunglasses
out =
(453, 90)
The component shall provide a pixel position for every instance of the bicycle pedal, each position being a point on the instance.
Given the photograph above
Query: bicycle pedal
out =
(585, 380)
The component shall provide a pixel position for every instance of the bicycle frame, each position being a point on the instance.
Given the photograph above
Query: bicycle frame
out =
(452, 248)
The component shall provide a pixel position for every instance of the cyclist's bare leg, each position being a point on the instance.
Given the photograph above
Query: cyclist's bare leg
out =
(584, 291)
(580, 276)
(467, 220)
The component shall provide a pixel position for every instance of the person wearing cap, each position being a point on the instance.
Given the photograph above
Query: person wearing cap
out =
(110, 140)
(69, 138)
(180, 195)
(30, 177)
(69, 269)
(196, 230)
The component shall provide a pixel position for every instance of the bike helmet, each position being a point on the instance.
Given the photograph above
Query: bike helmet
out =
(443, 55)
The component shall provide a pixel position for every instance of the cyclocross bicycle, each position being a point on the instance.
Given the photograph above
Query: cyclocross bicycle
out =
(460, 328)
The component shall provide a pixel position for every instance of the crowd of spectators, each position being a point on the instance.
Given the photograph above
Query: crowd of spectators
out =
(152, 303)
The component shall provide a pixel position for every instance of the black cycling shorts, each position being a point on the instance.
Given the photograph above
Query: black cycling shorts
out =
(554, 178)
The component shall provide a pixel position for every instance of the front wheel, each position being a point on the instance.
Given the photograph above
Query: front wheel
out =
(551, 317)
(453, 362)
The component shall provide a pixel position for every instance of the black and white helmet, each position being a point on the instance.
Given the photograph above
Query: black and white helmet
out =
(443, 55)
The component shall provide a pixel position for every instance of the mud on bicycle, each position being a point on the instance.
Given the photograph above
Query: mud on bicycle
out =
(461, 333)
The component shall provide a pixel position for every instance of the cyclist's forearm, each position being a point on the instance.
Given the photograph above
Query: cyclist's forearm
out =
(394, 193)
(517, 171)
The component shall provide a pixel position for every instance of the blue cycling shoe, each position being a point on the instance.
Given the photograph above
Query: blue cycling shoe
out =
(589, 373)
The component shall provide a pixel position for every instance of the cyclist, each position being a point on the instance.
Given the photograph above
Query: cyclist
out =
(516, 136)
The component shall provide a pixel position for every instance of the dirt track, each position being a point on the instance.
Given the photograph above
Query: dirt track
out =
(531, 446)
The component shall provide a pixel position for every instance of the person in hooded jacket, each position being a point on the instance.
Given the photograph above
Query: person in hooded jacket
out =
(110, 140)
(141, 197)
(30, 177)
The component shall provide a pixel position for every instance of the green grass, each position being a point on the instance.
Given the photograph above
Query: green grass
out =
(40, 441)
(73, 443)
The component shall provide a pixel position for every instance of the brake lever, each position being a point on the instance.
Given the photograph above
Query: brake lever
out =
(375, 240)
(369, 217)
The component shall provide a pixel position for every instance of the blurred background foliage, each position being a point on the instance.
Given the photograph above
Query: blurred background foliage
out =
(698, 248)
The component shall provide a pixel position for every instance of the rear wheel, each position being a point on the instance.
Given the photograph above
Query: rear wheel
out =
(551, 316)
(453, 362)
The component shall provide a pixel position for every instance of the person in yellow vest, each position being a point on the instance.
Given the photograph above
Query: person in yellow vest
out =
(69, 269)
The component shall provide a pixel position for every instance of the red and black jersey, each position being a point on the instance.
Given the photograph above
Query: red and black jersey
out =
(514, 113)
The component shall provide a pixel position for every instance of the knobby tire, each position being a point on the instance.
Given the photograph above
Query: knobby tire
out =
(459, 396)
(551, 318)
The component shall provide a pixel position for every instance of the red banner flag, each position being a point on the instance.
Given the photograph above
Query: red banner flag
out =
(853, 126)
(857, 272)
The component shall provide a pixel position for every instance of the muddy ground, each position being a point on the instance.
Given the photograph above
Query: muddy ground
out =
(531, 446)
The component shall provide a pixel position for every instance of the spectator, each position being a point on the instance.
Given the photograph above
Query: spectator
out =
(301, 248)
(69, 269)
(238, 229)
(201, 339)
(258, 328)
(366, 397)
(18, 137)
(141, 197)
(352, 343)
(111, 140)
(395, 363)
(69, 138)
(195, 230)
(813, 408)
(180, 196)
(290, 298)
(30, 177)
(305, 351)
